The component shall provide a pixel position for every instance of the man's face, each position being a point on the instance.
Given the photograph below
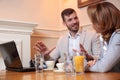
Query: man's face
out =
(72, 22)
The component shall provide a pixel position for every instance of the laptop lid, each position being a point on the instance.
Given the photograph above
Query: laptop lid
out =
(10, 55)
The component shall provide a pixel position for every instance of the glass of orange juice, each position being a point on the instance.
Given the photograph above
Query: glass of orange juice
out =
(80, 77)
(79, 64)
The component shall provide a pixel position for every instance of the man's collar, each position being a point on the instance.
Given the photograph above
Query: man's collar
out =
(76, 35)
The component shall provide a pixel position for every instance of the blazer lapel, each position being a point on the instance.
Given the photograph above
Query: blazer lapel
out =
(66, 43)
(82, 37)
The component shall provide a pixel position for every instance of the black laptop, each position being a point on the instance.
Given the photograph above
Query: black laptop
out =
(11, 58)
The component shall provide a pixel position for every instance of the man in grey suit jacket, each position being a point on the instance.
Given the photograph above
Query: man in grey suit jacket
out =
(72, 40)
(89, 39)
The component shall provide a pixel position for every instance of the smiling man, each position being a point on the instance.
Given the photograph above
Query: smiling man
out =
(71, 41)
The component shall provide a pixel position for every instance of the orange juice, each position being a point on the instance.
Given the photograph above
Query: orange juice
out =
(79, 63)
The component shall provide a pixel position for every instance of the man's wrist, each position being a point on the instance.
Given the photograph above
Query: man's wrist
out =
(47, 57)
(89, 57)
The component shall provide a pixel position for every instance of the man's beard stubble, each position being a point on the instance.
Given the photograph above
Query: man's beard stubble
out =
(75, 31)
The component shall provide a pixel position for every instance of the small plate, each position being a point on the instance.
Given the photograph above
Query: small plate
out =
(47, 69)
(56, 70)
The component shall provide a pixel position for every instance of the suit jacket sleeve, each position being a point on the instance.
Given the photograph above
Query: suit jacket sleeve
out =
(91, 42)
(61, 48)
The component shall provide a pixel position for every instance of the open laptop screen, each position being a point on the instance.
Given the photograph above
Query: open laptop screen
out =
(10, 55)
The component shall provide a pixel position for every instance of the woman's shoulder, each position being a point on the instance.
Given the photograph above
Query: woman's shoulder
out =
(115, 36)
(117, 31)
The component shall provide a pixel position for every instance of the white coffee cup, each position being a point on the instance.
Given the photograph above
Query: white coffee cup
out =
(50, 64)
(60, 66)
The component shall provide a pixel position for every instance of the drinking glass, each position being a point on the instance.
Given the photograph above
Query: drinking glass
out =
(79, 64)
(69, 68)
(39, 58)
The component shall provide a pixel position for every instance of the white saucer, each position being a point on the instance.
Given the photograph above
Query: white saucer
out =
(47, 69)
(56, 70)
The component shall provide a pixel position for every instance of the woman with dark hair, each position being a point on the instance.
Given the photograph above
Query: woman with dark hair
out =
(105, 18)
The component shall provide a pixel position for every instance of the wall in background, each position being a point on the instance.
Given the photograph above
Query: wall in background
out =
(82, 12)
(44, 12)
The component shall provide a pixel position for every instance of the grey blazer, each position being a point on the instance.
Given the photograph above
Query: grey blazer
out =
(111, 60)
(88, 38)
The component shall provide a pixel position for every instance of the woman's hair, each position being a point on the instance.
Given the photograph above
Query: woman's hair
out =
(105, 18)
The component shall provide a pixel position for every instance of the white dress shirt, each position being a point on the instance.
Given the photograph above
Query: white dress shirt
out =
(73, 43)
